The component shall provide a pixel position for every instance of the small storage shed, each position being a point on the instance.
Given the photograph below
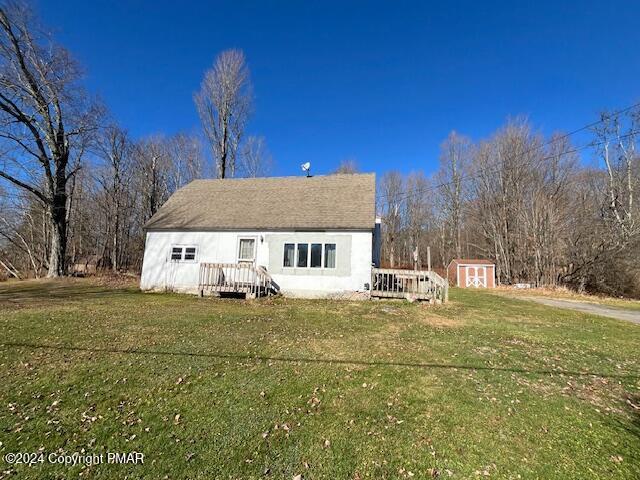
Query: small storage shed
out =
(476, 273)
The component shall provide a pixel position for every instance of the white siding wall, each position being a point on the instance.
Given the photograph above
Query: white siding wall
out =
(353, 272)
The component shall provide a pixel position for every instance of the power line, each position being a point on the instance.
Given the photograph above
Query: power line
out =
(405, 195)
(409, 193)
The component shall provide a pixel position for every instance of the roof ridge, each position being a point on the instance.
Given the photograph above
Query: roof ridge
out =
(288, 177)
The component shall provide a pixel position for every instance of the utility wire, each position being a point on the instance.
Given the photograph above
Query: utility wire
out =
(405, 195)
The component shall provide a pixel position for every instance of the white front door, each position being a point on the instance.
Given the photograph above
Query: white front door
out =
(476, 277)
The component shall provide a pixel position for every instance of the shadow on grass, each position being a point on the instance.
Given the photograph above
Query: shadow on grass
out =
(371, 363)
(632, 404)
(58, 290)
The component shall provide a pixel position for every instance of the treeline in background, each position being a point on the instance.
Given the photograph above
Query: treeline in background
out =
(531, 204)
(76, 189)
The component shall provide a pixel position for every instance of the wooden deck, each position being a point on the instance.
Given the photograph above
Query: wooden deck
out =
(254, 281)
(216, 278)
(409, 284)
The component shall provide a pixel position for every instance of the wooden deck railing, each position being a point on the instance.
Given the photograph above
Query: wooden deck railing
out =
(411, 284)
(235, 278)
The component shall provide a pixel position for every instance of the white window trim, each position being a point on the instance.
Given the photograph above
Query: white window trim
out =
(255, 249)
(309, 267)
(183, 253)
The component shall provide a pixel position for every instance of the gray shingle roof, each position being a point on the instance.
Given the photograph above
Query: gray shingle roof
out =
(328, 202)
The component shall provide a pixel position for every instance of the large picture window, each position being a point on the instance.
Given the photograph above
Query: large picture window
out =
(309, 255)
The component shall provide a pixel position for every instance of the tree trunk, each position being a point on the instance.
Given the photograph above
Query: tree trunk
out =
(57, 267)
(116, 228)
(222, 164)
(115, 246)
(58, 222)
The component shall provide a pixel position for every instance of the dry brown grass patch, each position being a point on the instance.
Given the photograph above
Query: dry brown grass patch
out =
(429, 315)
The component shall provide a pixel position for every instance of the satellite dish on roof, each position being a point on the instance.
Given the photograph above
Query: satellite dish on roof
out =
(306, 167)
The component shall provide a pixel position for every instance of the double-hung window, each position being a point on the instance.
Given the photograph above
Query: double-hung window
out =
(309, 255)
(181, 253)
(246, 249)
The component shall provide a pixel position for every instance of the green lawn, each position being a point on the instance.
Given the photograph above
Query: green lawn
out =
(209, 388)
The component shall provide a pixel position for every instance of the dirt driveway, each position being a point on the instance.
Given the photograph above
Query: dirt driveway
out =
(619, 313)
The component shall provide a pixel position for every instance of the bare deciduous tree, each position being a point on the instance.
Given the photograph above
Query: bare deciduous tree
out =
(454, 163)
(347, 166)
(617, 148)
(391, 190)
(43, 113)
(224, 103)
(417, 215)
(187, 161)
(17, 237)
(153, 169)
(255, 161)
(115, 177)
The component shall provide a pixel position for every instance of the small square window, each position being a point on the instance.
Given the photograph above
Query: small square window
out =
(303, 253)
(289, 255)
(190, 253)
(176, 253)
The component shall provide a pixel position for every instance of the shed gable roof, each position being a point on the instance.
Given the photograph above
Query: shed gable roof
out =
(474, 261)
(344, 201)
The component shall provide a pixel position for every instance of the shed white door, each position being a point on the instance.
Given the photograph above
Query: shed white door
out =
(477, 277)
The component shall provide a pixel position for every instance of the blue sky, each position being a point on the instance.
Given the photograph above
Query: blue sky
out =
(380, 82)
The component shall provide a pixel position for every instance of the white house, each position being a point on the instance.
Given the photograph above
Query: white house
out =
(314, 236)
